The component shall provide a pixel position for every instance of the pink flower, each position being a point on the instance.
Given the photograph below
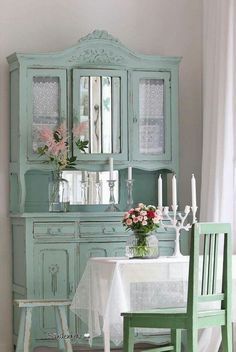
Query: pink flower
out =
(143, 212)
(126, 215)
(46, 135)
(140, 218)
(135, 220)
(129, 222)
(140, 205)
(131, 211)
(137, 209)
(144, 222)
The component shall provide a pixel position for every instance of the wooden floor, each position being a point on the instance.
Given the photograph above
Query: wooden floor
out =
(140, 347)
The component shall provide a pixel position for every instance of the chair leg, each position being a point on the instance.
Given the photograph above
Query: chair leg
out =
(65, 330)
(227, 337)
(21, 332)
(128, 337)
(192, 340)
(27, 334)
(60, 339)
(176, 339)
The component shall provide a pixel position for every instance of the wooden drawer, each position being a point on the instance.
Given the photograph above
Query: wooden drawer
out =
(42, 229)
(90, 229)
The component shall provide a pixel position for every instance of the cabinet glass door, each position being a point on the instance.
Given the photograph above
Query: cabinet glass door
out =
(151, 116)
(47, 104)
(99, 109)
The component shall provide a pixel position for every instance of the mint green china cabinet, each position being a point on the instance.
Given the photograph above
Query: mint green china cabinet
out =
(126, 105)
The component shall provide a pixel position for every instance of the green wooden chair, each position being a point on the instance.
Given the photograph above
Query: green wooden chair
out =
(199, 291)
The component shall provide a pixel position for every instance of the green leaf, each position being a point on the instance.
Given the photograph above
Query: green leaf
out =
(72, 159)
(82, 145)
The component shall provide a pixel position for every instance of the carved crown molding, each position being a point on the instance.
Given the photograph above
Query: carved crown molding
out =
(99, 34)
(97, 56)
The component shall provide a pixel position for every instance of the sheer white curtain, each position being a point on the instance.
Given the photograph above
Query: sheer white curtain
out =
(218, 191)
(219, 96)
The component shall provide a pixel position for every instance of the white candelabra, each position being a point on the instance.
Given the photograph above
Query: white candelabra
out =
(177, 221)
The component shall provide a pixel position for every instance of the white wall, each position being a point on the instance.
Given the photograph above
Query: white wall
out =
(165, 27)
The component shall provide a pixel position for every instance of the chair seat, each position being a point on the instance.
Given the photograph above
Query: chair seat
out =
(156, 311)
(171, 317)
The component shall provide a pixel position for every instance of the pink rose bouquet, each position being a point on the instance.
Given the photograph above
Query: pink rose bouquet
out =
(143, 218)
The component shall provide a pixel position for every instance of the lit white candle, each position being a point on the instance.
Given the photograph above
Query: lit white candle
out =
(174, 191)
(129, 173)
(193, 189)
(160, 191)
(111, 168)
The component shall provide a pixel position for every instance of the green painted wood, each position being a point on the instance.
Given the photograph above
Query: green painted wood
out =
(54, 278)
(192, 319)
(215, 263)
(176, 340)
(205, 264)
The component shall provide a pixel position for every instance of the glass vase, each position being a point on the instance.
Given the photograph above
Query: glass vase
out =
(58, 193)
(142, 245)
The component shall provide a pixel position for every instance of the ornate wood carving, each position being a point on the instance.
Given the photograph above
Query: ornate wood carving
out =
(97, 56)
(99, 34)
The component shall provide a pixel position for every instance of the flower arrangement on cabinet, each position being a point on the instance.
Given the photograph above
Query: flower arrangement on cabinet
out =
(56, 147)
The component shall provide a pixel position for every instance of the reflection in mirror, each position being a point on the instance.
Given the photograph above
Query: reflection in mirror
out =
(100, 113)
(87, 187)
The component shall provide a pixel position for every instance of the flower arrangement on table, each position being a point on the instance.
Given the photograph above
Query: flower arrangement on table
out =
(142, 220)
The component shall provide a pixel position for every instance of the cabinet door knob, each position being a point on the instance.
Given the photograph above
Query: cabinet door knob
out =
(135, 119)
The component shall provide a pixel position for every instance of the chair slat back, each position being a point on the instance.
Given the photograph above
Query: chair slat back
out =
(207, 278)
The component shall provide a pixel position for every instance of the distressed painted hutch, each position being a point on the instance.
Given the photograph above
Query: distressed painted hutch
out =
(50, 250)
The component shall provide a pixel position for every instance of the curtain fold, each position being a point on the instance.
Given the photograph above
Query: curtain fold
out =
(219, 96)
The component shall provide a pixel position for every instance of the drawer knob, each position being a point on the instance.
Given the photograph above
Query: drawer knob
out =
(54, 231)
(108, 229)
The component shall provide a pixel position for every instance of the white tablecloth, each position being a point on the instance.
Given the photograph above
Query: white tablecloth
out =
(110, 286)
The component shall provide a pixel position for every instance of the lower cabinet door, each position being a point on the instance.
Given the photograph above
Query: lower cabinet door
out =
(99, 249)
(54, 278)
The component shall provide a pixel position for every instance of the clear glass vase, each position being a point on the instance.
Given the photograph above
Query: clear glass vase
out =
(142, 245)
(58, 193)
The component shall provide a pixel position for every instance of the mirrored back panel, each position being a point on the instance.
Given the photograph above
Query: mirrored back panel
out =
(100, 113)
(88, 187)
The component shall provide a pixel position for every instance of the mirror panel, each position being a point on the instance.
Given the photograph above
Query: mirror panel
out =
(87, 187)
(100, 113)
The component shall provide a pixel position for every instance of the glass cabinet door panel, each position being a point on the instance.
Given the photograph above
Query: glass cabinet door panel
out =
(47, 97)
(98, 106)
(151, 114)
